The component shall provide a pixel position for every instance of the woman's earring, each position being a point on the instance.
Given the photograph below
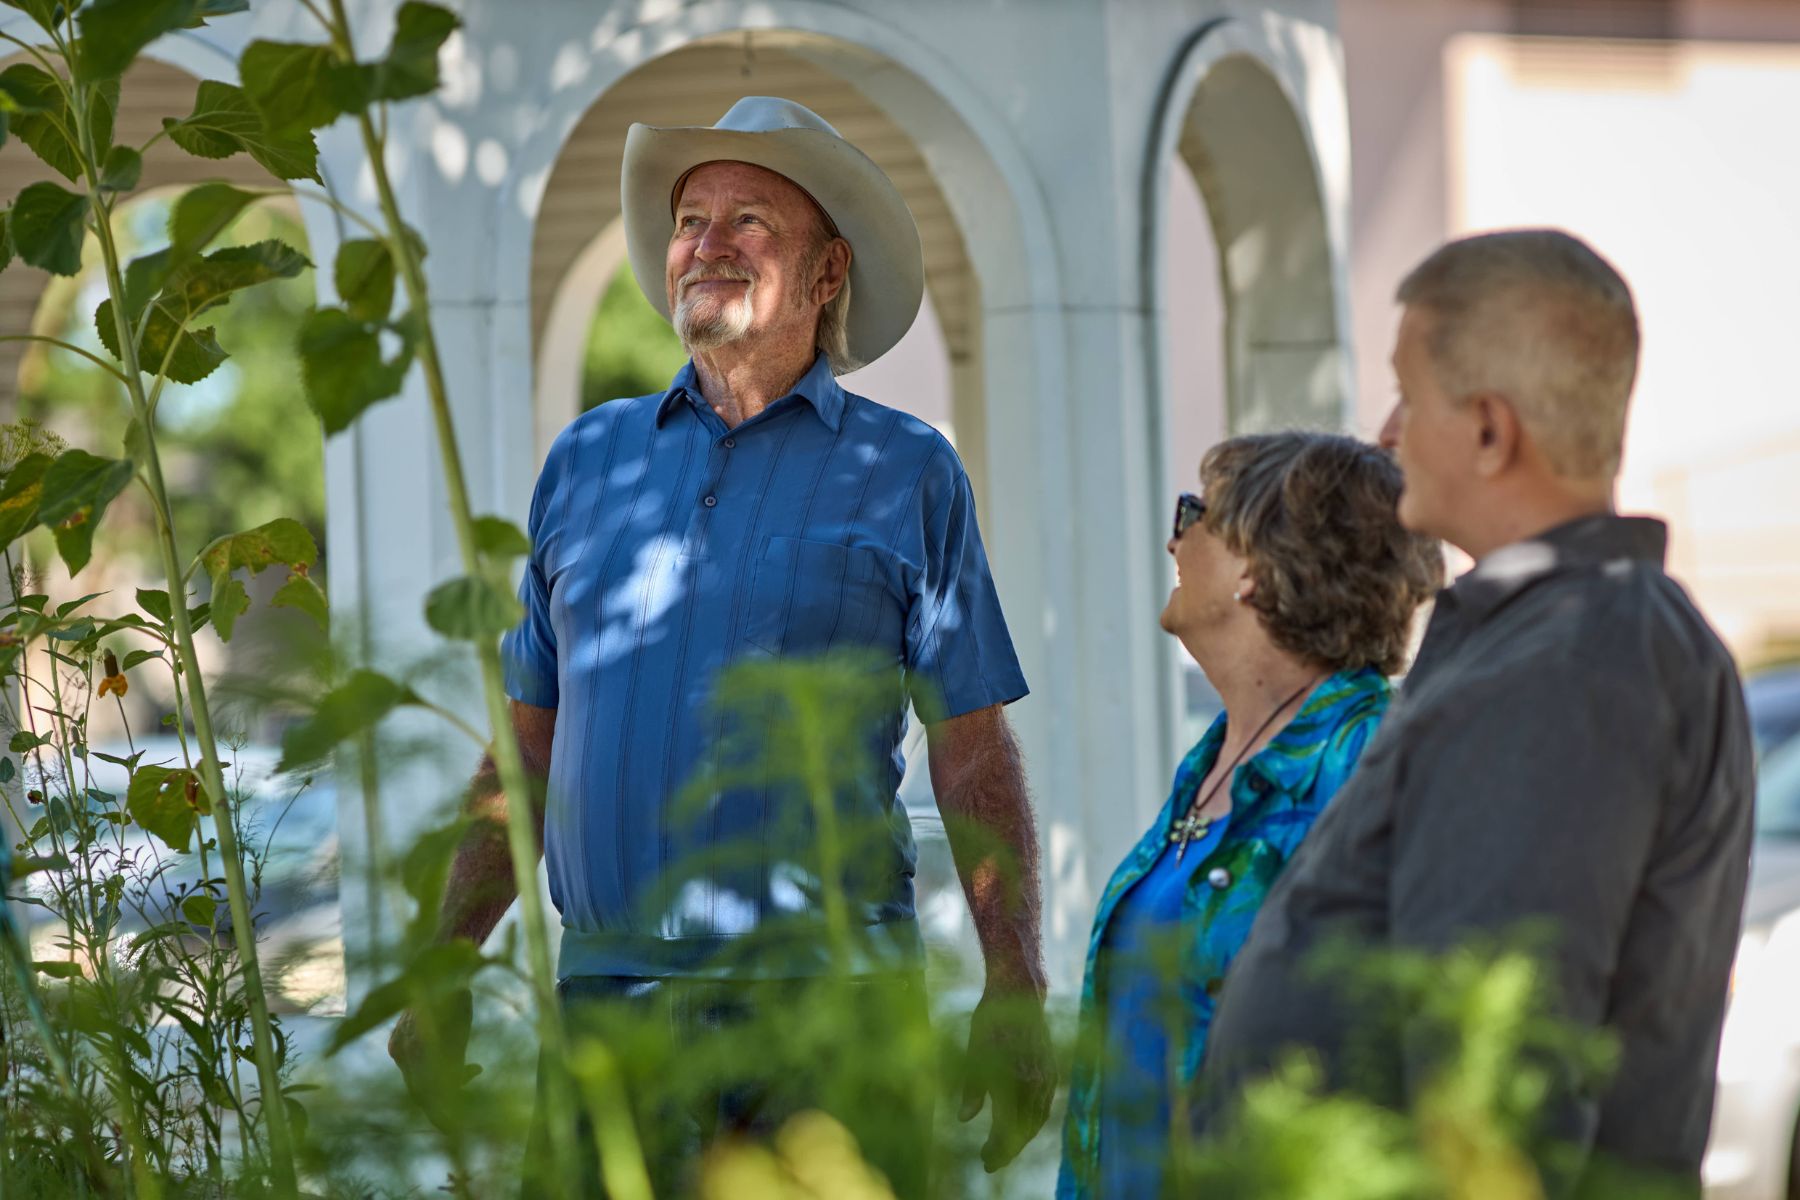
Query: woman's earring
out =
(1238, 596)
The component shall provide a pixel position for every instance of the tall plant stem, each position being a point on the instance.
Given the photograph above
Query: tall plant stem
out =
(520, 837)
(274, 1109)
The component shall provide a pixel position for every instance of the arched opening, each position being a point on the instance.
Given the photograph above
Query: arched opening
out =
(594, 337)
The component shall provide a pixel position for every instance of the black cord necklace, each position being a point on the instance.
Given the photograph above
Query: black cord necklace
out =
(1193, 827)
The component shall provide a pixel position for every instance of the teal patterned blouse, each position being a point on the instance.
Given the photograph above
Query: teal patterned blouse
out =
(1275, 797)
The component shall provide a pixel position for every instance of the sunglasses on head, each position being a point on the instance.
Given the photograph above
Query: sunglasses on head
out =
(1188, 509)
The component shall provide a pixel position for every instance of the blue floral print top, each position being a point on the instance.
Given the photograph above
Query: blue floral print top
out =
(1275, 797)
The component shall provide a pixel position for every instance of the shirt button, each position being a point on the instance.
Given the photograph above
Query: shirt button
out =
(711, 501)
(1219, 878)
(1214, 986)
(731, 443)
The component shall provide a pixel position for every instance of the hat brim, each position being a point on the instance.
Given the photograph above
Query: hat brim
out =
(887, 263)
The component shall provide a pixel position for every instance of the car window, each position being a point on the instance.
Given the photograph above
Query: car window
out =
(1778, 792)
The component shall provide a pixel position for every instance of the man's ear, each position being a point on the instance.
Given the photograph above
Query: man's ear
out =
(1499, 435)
(832, 272)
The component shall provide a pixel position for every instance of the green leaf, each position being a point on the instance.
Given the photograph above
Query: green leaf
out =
(113, 31)
(287, 82)
(22, 867)
(229, 602)
(499, 538)
(283, 540)
(471, 609)
(6, 246)
(224, 122)
(205, 10)
(365, 279)
(47, 227)
(47, 13)
(156, 603)
(196, 352)
(199, 909)
(77, 488)
(122, 169)
(202, 214)
(138, 658)
(435, 972)
(41, 117)
(20, 495)
(341, 363)
(25, 741)
(58, 968)
(7, 770)
(357, 704)
(302, 593)
(157, 799)
(410, 67)
(188, 291)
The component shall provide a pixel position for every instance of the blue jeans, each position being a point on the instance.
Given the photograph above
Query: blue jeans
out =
(707, 1061)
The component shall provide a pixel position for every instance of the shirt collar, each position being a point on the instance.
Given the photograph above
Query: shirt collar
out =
(1585, 541)
(818, 387)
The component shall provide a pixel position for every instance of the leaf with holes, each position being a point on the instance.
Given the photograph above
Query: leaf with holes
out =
(188, 291)
(471, 609)
(342, 364)
(168, 802)
(47, 227)
(355, 705)
(224, 122)
(77, 487)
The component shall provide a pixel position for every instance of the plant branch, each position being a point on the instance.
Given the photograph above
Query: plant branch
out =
(72, 349)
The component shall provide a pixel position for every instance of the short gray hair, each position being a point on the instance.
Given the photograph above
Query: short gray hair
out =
(1540, 318)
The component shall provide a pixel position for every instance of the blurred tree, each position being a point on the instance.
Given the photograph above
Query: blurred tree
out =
(631, 350)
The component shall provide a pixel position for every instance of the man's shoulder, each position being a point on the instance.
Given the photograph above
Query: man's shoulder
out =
(900, 432)
(598, 420)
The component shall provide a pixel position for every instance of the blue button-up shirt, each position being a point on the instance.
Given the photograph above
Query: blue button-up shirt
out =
(664, 548)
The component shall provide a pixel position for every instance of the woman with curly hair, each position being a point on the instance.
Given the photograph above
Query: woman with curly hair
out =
(1296, 591)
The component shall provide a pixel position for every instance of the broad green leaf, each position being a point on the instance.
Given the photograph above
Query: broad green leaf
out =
(364, 276)
(184, 355)
(302, 593)
(43, 120)
(224, 122)
(25, 741)
(229, 602)
(427, 863)
(499, 538)
(192, 289)
(283, 540)
(359, 703)
(202, 214)
(471, 608)
(77, 487)
(408, 69)
(143, 279)
(57, 968)
(7, 770)
(341, 362)
(20, 495)
(138, 658)
(22, 867)
(168, 802)
(113, 31)
(122, 169)
(287, 83)
(199, 909)
(156, 603)
(206, 10)
(47, 227)
(47, 13)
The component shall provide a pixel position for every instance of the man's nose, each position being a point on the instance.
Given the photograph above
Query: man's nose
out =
(716, 243)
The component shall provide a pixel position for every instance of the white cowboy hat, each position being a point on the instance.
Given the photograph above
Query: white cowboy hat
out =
(887, 265)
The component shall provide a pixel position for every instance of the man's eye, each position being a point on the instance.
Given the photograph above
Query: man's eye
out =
(689, 222)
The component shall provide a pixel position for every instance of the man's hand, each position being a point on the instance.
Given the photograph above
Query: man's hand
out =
(1011, 1062)
(430, 1048)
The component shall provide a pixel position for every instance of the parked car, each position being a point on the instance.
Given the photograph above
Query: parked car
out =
(1753, 1153)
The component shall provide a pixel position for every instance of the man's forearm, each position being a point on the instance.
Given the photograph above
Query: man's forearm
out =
(980, 784)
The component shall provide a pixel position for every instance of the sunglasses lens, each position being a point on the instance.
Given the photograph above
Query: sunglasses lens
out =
(1189, 508)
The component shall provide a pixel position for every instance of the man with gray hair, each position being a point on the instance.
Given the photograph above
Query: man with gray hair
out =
(1571, 750)
(755, 509)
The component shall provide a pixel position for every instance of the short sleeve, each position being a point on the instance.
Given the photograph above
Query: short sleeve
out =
(959, 656)
(528, 652)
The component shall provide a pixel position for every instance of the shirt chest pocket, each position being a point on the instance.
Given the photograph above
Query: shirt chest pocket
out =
(812, 597)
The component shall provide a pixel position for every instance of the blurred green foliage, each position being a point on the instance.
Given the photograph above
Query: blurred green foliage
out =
(631, 350)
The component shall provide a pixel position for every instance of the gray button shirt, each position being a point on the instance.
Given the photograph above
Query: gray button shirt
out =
(1571, 745)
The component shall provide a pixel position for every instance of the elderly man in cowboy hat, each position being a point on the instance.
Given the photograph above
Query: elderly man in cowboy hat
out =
(756, 509)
